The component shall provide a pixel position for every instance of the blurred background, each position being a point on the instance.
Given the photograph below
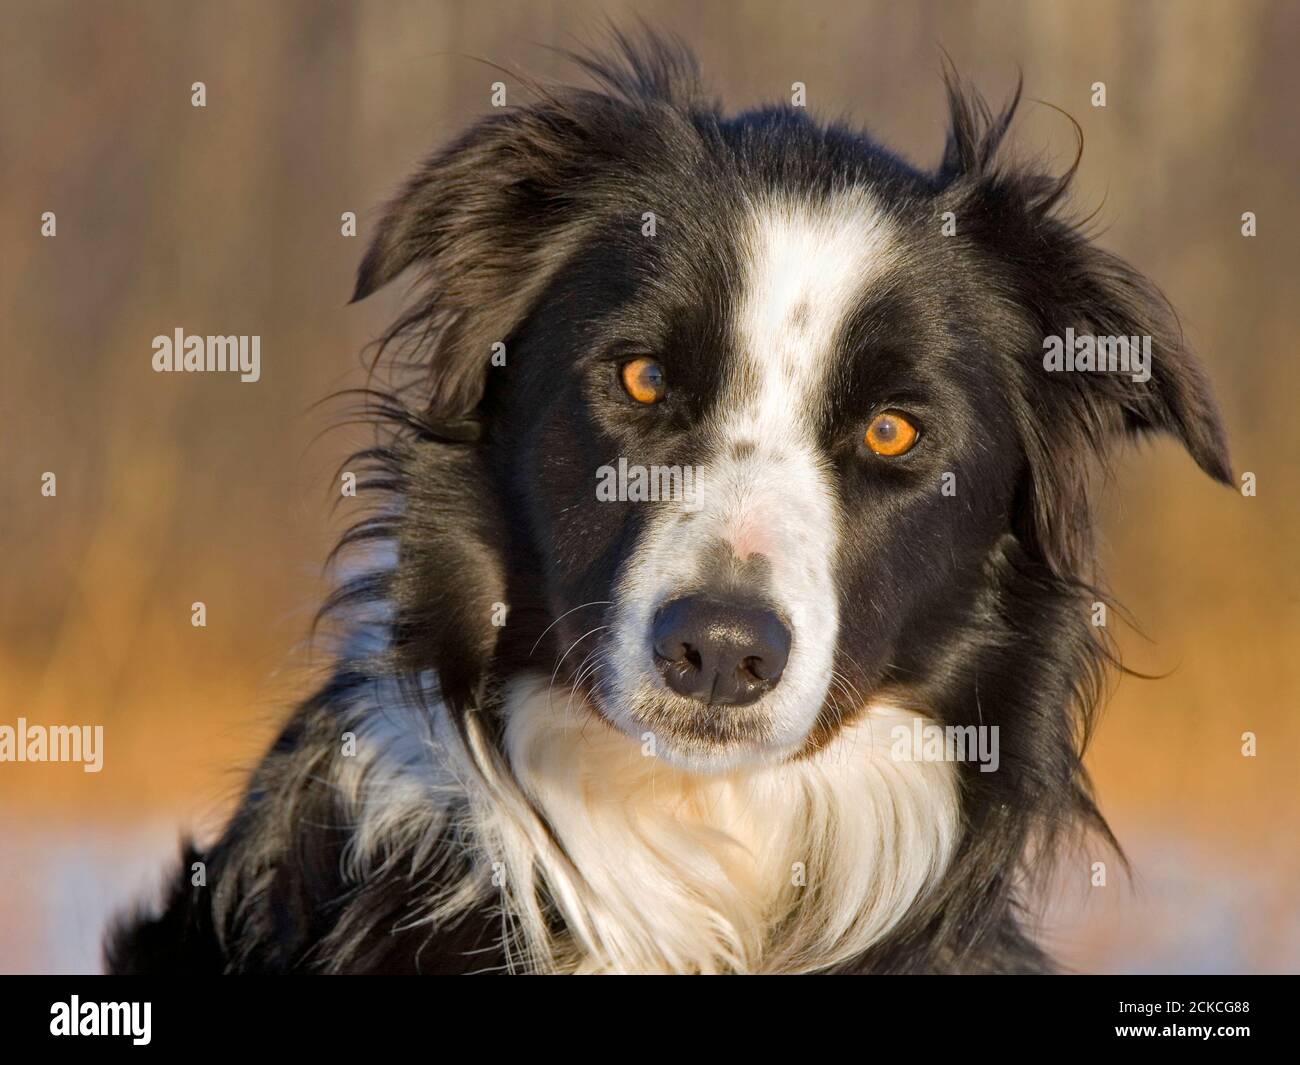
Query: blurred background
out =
(226, 220)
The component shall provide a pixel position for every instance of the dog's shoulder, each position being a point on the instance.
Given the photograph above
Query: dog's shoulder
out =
(281, 889)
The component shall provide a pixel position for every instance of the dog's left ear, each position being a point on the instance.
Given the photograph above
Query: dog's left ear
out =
(1073, 411)
(1067, 287)
(1164, 389)
(1076, 292)
(1068, 283)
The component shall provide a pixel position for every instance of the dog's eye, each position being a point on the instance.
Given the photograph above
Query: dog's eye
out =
(890, 434)
(643, 380)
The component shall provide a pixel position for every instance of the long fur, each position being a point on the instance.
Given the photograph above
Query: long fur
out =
(453, 800)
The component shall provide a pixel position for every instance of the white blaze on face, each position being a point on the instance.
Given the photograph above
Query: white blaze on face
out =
(765, 485)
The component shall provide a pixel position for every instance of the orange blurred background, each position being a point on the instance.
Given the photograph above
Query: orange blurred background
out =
(226, 219)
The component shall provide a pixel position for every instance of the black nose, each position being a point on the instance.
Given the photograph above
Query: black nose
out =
(719, 653)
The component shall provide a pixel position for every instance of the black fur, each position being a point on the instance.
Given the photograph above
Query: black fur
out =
(526, 231)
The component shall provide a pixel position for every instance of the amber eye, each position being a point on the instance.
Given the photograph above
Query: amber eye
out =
(643, 380)
(890, 434)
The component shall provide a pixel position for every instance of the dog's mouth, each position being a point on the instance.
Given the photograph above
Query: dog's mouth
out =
(694, 735)
(686, 732)
(713, 737)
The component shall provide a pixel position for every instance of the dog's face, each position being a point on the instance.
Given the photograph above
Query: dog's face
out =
(832, 446)
(769, 400)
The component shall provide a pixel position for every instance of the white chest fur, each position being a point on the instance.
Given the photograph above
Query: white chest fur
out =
(780, 868)
(783, 868)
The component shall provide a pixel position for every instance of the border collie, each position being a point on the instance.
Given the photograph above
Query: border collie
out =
(583, 725)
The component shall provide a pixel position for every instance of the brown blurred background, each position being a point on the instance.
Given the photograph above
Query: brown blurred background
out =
(226, 220)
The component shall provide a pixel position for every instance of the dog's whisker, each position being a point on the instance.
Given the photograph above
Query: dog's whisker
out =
(576, 689)
(556, 671)
(581, 606)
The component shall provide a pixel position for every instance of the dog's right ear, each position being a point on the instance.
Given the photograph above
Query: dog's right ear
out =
(488, 221)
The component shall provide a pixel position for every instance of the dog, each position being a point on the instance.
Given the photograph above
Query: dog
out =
(722, 458)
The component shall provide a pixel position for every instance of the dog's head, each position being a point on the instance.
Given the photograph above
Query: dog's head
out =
(758, 408)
